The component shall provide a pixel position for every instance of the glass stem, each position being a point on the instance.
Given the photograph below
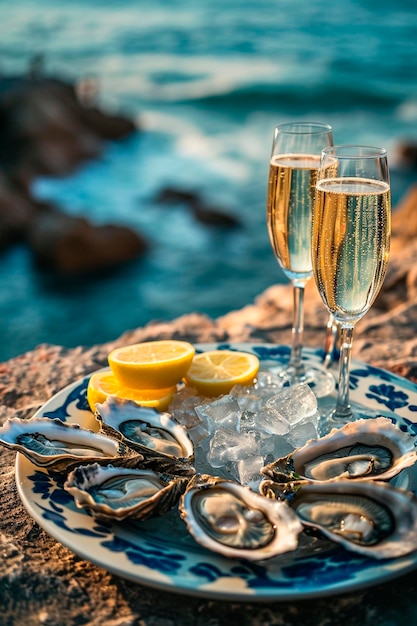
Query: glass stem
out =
(343, 409)
(330, 342)
(297, 332)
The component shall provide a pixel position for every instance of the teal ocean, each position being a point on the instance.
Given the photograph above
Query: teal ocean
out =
(207, 81)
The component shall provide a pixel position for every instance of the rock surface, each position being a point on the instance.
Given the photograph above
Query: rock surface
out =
(42, 582)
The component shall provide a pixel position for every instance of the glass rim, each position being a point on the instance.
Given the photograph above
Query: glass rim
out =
(354, 151)
(298, 128)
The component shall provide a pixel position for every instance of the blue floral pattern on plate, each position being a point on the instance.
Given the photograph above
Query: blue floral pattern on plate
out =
(160, 553)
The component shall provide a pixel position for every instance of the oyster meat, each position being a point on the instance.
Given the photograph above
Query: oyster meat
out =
(369, 517)
(230, 519)
(118, 493)
(54, 444)
(366, 449)
(155, 435)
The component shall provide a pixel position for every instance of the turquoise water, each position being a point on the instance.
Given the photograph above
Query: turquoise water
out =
(207, 81)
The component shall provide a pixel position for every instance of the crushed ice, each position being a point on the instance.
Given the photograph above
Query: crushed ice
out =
(235, 435)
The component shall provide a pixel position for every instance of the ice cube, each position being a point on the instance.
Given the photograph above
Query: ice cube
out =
(201, 464)
(277, 448)
(228, 471)
(248, 421)
(221, 413)
(270, 421)
(248, 399)
(198, 433)
(184, 395)
(249, 402)
(249, 471)
(228, 445)
(294, 403)
(301, 433)
(267, 384)
(266, 445)
(182, 408)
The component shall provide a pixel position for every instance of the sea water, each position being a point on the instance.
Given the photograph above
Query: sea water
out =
(206, 81)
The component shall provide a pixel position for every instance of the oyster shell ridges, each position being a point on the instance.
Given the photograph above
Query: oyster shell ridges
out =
(231, 519)
(371, 449)
(55, 444)
(155, 435)
(118, 493)
(368, 517)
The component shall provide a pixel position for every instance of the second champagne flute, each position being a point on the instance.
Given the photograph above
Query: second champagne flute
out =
(351, 239)
(292, 180)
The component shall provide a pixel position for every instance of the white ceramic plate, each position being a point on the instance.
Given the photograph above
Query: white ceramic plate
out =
(160, 553)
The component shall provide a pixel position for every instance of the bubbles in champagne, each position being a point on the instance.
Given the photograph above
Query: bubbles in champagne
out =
(291, 190)
(350, 243)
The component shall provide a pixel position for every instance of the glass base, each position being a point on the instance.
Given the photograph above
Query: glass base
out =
(328, 420)
(319, 378)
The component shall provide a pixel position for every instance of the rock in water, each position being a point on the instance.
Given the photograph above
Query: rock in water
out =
(71, 245)
(46, 129)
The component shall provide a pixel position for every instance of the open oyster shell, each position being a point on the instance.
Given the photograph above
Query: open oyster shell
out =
(118, 493)
(54, 444)
(366, 449)
(230, 519)
(369, 517)
(155, 435)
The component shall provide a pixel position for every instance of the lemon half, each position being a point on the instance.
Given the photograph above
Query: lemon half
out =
(152, 364)
(103, 384)
(215, 372)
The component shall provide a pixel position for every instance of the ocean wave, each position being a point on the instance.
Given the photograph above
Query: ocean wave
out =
(329, 97)
(233, 86)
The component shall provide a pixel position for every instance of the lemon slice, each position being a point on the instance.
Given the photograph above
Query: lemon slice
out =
(215, 372)
(103, 384)
(152, 364)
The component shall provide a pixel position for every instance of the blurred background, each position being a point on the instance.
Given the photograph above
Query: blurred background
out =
(205, 83)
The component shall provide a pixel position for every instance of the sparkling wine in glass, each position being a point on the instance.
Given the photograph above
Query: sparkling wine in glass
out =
(294, 164)
(350, 246)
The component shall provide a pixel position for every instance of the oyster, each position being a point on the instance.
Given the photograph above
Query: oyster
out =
(155, 435)
(230, 519)
(369, 517)
(366, 449)
(54, 444)
(117, 493)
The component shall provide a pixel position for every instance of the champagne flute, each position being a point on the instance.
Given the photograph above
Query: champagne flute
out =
(350, 246)
(294, 164)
